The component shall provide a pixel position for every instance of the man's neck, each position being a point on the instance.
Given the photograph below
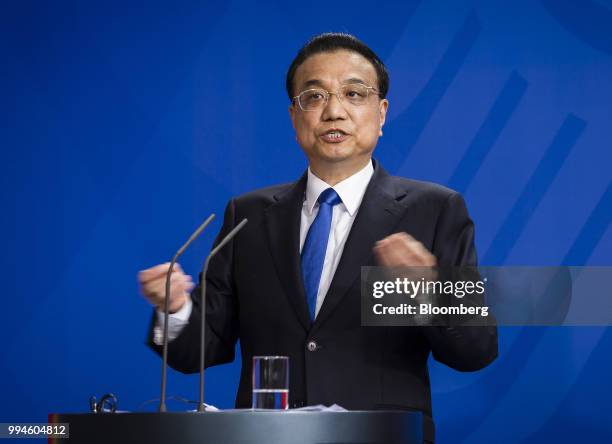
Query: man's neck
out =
(335, 173)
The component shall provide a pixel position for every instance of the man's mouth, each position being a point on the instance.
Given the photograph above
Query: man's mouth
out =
(334, 136)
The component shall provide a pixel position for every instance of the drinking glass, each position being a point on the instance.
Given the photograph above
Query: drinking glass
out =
(271, 382)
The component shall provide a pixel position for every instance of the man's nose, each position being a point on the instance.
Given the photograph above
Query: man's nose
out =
(334, 108)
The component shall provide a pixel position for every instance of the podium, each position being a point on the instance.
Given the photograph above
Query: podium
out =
(244, 427)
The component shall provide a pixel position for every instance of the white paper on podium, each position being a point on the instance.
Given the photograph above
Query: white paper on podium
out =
(310, 408)
(321, 408)
(207, 408)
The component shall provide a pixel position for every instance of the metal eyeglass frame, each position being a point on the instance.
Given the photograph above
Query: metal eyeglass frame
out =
(329, 93)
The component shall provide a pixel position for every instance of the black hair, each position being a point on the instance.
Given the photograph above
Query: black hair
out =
(334, 41)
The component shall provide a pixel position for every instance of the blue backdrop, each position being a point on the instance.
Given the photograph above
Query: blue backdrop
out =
(125, 124)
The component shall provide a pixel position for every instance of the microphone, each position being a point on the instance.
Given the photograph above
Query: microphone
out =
(194, 236)
(226, 239)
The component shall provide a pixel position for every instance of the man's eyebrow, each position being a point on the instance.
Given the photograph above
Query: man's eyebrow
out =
(319, 83)
(354, 80)
(312, 82)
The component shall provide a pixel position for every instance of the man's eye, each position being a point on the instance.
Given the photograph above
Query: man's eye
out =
(354, 93)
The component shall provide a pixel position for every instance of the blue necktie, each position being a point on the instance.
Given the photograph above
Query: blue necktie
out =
(315, 245)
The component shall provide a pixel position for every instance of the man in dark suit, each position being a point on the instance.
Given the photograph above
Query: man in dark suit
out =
(289, 283)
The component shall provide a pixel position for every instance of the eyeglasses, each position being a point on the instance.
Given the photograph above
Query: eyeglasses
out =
(315, 99)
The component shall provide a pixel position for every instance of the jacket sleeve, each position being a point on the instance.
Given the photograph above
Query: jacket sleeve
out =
(464, 348)
(221, 312)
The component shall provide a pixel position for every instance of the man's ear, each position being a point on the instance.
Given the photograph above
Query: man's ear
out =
(383, 106)
(292, 114)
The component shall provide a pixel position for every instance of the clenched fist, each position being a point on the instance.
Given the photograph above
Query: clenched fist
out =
(403, 250)
(152, 283)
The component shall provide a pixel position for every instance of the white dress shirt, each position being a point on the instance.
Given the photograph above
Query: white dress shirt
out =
(351, 191)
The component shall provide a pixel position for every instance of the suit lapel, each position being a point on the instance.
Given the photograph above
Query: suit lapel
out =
(377, 216)
(282, 221)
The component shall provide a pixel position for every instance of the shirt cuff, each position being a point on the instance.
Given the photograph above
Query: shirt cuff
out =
(176, 323)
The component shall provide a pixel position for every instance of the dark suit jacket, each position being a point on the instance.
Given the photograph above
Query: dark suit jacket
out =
(255, 294)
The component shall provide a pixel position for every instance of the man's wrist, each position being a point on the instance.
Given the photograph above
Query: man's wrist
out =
(182, 314)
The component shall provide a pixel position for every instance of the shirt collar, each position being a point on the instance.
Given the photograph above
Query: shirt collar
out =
(350, 190)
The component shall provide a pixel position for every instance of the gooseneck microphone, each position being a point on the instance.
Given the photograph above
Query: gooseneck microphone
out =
(194, 236)
(226, 239)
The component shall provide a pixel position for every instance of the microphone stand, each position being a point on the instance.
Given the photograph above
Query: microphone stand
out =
(194, 236)
(226, 239)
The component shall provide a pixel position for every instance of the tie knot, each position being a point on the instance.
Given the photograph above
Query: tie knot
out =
(329, 197)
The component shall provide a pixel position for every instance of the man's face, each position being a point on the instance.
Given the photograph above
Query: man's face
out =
(359, 125)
